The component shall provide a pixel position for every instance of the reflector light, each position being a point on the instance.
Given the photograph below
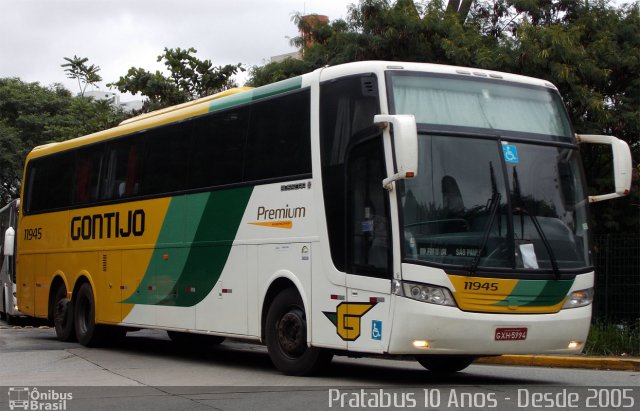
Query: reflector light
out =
(421, 344)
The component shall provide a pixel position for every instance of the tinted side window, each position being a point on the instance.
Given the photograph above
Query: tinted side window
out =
(218, 145)
(347, 107)
(87, 174)
(368, 222)
(166, 160)
(279, 142)
(123, 169)
(49, 181)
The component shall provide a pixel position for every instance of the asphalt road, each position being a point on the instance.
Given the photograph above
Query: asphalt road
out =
(148, 371)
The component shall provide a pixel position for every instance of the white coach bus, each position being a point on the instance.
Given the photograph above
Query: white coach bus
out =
(411, 209)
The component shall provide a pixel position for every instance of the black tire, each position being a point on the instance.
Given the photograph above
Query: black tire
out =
(286, 337)
(88, 332)
(189, 339)
(445, 364)
(62, 311)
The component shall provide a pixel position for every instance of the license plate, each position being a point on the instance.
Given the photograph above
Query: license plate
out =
(511, 334)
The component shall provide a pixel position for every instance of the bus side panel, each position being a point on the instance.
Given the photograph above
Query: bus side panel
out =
(168, 265)
(225, 308)
(26, 284)
(328, 300)
(134, 266)
(40, 234)
(108, 281)
(42, 278)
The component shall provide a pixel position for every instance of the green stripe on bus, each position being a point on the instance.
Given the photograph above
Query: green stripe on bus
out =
(162, 273)
(537, 293)
(212, 244)
(256, 94)
(209, 223)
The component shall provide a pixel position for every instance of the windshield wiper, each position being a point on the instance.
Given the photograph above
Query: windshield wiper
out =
(547, 245)
(536, 223)
(495, 202)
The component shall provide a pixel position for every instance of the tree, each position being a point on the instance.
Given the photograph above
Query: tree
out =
(189, 78)
(277, 71)
(32, 115)
(460, 7)
(78, 69)
(589, 49)
(381, 30)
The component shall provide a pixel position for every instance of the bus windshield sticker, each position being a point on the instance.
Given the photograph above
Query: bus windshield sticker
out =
(510, 153)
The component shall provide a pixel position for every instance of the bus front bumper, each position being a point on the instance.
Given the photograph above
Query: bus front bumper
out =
(422, 329)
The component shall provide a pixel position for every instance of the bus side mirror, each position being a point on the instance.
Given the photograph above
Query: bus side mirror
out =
(405, 145)
(9, 241)
(621, 164)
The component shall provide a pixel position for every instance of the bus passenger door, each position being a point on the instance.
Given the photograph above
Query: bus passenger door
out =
(368, 248)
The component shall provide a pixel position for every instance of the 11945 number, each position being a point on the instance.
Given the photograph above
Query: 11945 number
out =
(33, 233)
(480, 285)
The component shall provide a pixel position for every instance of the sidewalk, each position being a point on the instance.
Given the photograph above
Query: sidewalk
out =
(595, 363)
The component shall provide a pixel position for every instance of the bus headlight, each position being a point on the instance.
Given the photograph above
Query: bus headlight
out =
(428, 293)
(579, 298)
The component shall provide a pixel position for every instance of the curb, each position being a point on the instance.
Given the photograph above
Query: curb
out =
(594, 363)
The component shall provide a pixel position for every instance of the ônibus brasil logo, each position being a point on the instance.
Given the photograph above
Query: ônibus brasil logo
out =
(25, 398)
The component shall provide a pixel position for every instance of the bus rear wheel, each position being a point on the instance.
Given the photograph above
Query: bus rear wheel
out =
(87, 331)
(63, 315)
(286, 337)
(445, 364)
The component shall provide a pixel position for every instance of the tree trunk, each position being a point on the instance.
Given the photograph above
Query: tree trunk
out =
(464, 9)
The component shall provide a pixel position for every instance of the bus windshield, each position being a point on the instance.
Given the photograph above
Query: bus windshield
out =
(487, 202)
(475, 103)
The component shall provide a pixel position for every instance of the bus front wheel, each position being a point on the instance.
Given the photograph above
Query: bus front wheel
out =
(63, 315)
(87, 331)
(445, 364)
(286, 337)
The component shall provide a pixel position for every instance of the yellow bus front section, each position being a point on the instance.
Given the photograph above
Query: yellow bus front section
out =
(509, 296)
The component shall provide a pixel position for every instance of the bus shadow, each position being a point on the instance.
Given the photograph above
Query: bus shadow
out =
(246, 356)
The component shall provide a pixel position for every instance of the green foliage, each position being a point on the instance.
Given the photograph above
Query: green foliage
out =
(589, 49)
(606, 339)
(77, 69)
(189, 78)
(32, 115)
(273, 72)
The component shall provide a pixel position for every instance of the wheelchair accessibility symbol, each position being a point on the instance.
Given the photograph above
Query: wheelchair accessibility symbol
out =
(510, 153)
(376, 330)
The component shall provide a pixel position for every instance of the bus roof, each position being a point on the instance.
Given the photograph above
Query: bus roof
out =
(185, 105)
(242, 95)
(225, 99)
